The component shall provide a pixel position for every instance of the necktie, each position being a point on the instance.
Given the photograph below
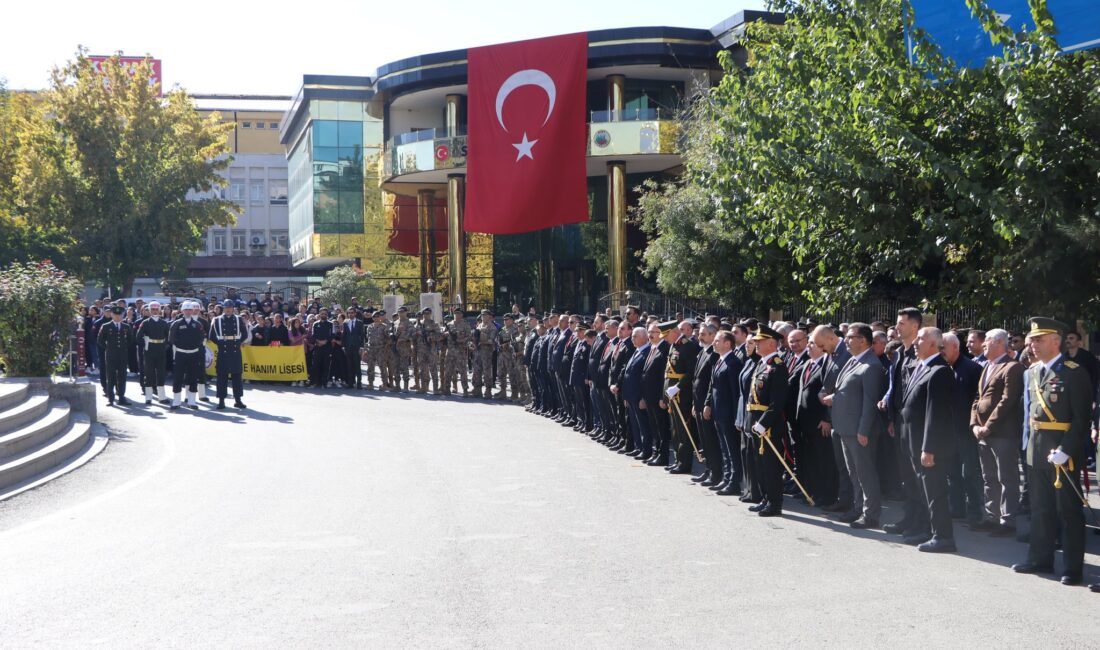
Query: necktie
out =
(809, 369)
(652, 353)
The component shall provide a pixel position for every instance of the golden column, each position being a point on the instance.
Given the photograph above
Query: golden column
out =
(456, 237)
(425, 201)
(456, 115)
(616, 200)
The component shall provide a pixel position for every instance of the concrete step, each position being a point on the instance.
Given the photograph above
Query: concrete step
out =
(29, 409)
(38, 460)
(36, 433)
(12, 392)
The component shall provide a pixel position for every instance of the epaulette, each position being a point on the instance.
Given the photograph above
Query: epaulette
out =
(1072, 365)
(777, 361)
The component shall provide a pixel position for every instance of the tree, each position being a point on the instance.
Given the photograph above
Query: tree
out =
(33, 340)
(113, 166)
(836, 161)
(343, 283)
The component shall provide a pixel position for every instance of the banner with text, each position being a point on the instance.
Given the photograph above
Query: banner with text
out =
(262, 363)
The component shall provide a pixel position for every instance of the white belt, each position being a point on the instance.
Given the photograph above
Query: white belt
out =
(185, 351)
(229, 338)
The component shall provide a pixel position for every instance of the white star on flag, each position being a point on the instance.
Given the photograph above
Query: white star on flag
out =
(523, 149)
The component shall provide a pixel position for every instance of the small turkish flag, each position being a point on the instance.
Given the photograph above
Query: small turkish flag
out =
(526, 168)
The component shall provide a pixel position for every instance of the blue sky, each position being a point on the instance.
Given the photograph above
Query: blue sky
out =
(266, 47)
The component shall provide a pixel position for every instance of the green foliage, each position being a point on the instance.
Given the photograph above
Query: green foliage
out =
(38, 307)
(110, 162)
(833, 169)
(343, 283)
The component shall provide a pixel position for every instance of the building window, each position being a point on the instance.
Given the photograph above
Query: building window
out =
(257, 192)
(280, 242)
(277, 192)
(272, 125)
(236, 191)
(246, 125)
(260, 125)
(240, 242)
(219, 242)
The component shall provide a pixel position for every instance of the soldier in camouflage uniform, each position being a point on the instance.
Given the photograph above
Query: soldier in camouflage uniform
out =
(483, 357)
(427, 352)
(378, 348)
(459, 336)
(403, 332)
(507, 363)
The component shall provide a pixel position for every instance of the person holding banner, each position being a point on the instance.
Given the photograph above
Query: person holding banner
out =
(229, 332)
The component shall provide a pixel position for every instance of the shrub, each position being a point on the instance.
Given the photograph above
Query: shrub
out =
(37, 314)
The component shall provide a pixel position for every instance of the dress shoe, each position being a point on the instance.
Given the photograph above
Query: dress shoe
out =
(1031, 567)
(669, 468)
(122, 401)
(627, 450)
(110, 402)
(204, 399)
(680, 470)
(1003, 531)
(1071, 580)
(719, 485)
(838, 507)
(770, 512)
(1095, 587)
(730, 490)
(220, 406)
(915, 539)
(865, 523)
(898, 528)
(848, 517)
(937, 545)
(748, 498)
(760, 507)
(702, 478)
(655, 462)
(637, 453)
(239, 405)
(712, 482)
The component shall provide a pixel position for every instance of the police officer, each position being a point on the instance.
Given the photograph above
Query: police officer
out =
(187, 336)
(229, 332)
(767, 397)
(114, 339)
(152, 337)
(1057, 428)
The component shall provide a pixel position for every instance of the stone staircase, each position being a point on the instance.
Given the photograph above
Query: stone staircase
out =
(41, 437)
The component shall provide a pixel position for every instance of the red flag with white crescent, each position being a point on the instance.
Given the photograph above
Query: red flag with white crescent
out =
(526, 168)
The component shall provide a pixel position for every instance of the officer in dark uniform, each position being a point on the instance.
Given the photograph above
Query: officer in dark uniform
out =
(679, 372)
(1059, 405)
(322, 352)
(152, 336)
(187, 336)
(200, 315)
(114, 339)
(767, 397)
(229, 332)
(354, 336)
(578, 377)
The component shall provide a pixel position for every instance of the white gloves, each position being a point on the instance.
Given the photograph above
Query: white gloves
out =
(672, 391)
(759, 428)
(1058, 457)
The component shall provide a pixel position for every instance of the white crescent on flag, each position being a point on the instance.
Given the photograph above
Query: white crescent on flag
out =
(526, 78)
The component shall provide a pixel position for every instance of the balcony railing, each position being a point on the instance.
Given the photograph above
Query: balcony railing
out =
(422, 135)
(632, 115)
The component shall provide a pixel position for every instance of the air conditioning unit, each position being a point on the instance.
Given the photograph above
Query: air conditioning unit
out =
(258, 241)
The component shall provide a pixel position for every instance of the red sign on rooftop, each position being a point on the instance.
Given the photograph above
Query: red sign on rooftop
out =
(129, 65)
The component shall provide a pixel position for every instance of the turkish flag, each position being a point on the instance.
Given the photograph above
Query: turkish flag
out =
(526, 168)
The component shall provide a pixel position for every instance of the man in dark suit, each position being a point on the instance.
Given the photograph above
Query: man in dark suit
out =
(928, 435)
(853, 408)
(704, 421)
(578, 377)
(597, 381)
(743, 466)
(797, 359)
(996, 419)
(632, 393)
(834, 359)
(679, 373)
(964, 475)
(653, 390)
(815, 447)
(567, 342)
(353, 347)
(620, 356)
(914, 508)
(721, 407)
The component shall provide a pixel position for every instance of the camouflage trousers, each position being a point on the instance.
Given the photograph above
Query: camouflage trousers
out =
(404, 361)
(507, 374)
(454, 369)
(427, 368)
(483, 367)
(379, 357)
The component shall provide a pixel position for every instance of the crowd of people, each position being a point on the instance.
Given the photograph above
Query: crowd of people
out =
(980, 427)
(976, 426)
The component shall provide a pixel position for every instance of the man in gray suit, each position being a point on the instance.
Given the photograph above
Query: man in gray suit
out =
(825, 338)
(860, 384)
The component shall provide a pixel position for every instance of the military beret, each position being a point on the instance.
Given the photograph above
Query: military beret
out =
(402, 309)
(228, 303)
(509, 317)
(426, 310)
(486, 312)
(117, 310)
(1040, 325)
(378, 314)
(766, 332)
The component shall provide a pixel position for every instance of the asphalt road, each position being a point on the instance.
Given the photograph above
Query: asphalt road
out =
(377, 521)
